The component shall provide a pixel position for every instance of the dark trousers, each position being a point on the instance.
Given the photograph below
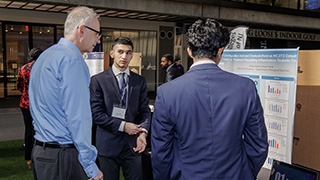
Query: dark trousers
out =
(28, 133)
(130, 163)
(56, 164)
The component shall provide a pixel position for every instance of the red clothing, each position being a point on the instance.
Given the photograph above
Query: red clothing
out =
(23, 84)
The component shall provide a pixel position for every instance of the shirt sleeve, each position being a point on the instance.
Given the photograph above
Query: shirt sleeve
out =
(74, 86)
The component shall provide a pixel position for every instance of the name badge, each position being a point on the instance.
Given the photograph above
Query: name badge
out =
(119, 112)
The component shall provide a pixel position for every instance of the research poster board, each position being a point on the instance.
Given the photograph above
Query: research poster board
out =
(95, 62)
(274, 72)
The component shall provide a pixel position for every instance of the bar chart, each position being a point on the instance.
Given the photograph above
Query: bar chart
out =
(276, 126)
(277, 109)
(277, 89)
(277, 144)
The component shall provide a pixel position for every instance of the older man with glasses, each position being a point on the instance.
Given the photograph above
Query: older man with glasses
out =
(59, 103)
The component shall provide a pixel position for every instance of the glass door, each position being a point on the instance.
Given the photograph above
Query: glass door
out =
(17, 43)
(19, 39)
(43, 36)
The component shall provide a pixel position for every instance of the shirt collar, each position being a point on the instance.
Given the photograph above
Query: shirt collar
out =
(116, 71)
(202, 62)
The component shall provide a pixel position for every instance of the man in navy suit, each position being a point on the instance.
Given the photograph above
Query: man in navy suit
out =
(208, 123)
(120, 109)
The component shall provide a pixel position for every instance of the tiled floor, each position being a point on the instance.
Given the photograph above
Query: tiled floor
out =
(11, 124)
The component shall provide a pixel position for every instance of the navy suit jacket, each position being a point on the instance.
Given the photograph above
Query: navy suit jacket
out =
(104, 93)
(208, 124)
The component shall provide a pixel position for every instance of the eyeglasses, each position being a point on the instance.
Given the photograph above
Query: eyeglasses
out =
(98, 32)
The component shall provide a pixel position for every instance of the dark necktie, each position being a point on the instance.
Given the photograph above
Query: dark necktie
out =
(123, 85)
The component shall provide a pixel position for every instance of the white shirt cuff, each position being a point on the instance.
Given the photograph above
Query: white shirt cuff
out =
(121, 126)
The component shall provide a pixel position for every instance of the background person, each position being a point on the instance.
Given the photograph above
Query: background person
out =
(23, 86)
(120, 109)
(211, 124)
(168, 64)
(60, 106)
(178, 62)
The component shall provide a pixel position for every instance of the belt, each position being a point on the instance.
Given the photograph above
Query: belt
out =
(54, 145)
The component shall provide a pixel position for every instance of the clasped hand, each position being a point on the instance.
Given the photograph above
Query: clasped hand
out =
(141, 143)
(133, 129)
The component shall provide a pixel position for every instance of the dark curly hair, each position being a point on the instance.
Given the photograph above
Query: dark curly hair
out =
(204, 38)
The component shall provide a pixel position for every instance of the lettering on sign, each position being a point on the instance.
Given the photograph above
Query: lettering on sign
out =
(271, 34)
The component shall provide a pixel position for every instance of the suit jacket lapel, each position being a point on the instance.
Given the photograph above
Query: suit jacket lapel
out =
(131, 84)
(113, 81)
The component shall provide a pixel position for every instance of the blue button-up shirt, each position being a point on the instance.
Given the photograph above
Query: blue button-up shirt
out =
(59, 101)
